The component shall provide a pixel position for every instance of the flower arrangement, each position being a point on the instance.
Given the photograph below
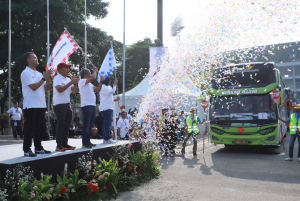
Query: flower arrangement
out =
(92, 180)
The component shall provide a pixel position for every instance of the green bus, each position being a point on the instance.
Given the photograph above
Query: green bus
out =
(242, 111)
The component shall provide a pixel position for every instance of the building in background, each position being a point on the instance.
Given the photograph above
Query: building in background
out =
(176, 27)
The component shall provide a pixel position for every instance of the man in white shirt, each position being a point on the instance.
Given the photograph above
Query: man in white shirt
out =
(106, 108)
(62, 87)
(118, 115)
(34, 85)
(15, 115)
(123, 126)
(88, 103)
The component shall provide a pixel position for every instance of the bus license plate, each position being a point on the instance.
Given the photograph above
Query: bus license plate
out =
(241, 142)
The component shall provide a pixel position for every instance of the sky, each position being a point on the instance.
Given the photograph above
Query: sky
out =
(141, 19)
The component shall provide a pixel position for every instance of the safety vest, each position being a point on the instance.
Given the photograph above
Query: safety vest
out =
(293, 124)
(192, 126)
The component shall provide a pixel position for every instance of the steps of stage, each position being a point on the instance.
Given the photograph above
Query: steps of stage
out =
(53, 163)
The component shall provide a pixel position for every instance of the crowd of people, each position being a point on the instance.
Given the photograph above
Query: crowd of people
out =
(166, 128)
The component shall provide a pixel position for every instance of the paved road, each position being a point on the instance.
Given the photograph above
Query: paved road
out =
(239, 173)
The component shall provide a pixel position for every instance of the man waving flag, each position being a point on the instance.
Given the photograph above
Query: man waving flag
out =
(108, 65)
(63, 48)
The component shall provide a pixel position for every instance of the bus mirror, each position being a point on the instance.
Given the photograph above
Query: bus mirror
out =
(290, 106)
(279, 87)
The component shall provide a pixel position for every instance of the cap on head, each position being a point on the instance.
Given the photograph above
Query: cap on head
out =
(122, 107)
(192, 109)
(297, 107)
(63, 64)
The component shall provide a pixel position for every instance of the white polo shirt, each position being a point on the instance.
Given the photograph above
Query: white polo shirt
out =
(32, 99)
(15, 112)
(106, 98)
(64, 97)
(123, 125)
(87, 95)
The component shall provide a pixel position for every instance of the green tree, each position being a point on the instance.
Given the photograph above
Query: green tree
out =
(29, 33)
(136, 65)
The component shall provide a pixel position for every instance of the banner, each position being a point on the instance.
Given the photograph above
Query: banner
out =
(108, 65)
(63, 48)
(156, 54)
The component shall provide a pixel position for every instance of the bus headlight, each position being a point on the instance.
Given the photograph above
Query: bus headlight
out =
(218, 131)
(266, 131)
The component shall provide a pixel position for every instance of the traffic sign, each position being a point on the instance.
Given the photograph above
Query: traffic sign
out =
(275, 96)
(204, 103)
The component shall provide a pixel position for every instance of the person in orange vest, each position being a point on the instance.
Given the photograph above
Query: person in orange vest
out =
(294, 132)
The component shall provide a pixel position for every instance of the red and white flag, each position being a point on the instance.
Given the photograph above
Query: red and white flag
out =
(63, 48)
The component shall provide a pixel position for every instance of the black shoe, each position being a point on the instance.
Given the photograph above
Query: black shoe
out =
(60, 148)
(93, 145)
(30, 154)
(68, 147)
(42, 151)
(194, 154)
(21, 137)
(16, 138)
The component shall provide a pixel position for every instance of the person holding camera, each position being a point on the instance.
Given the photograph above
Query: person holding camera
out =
(192, 122)
(15, 115)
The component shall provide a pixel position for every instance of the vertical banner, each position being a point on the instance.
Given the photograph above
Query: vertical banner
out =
(156, 55)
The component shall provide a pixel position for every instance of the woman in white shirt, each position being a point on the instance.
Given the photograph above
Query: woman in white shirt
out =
(106, 107)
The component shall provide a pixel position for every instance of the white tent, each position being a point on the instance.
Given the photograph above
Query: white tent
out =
(185, 88)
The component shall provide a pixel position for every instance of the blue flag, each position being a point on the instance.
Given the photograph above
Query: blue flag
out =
(108, 65)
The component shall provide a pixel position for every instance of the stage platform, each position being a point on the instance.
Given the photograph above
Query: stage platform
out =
(53, 163)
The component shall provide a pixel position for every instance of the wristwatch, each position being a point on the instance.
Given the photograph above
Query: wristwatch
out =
(43, 79)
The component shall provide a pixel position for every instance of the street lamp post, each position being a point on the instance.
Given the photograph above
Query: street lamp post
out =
(160, 21)
(9, 60)
(48, 53)
(123, 95)
(85, 35)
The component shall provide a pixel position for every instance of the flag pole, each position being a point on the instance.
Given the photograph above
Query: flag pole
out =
(9, 63)
(48, 52)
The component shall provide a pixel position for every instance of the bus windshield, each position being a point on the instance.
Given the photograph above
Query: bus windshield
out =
(241, 108)
(242, 76)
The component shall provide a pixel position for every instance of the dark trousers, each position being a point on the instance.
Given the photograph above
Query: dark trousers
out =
(17, 129)
(107, 119)
(88, 114)
(63, 114)
(33, 125)
(186, 139)
(291, 146)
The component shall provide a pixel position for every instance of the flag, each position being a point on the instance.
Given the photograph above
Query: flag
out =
(108, 65)
(63, 48)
